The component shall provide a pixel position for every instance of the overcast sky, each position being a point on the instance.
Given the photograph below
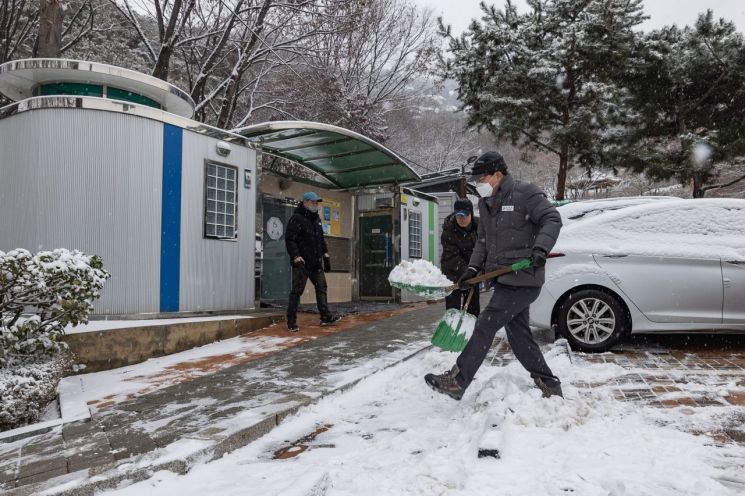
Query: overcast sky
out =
(458, 13)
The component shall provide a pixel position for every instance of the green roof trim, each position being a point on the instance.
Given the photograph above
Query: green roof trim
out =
(341, 156)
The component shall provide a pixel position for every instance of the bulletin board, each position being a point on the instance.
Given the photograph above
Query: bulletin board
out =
(330, 213)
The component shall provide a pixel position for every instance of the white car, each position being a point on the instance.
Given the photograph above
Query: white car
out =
(667, 266)
(586, 209)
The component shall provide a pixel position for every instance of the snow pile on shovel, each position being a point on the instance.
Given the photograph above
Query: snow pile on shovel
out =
(418, 273)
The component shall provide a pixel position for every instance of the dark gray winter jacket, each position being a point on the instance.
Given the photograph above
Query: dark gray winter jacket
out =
(513, 221)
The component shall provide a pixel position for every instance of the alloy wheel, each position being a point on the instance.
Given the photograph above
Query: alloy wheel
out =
(591, 321)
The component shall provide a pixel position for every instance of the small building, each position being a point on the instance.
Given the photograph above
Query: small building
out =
(107, 161)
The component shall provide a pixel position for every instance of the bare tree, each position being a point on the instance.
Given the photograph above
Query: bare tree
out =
(49, 40)
(18, 22)
(171, 19)
(364, 63)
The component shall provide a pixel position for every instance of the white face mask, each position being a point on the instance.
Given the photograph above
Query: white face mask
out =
(484, 189)
(313, 208)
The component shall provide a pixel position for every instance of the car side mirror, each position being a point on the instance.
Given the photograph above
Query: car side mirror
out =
(472, 159)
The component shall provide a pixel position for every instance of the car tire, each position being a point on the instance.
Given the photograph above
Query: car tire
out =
(592, 320)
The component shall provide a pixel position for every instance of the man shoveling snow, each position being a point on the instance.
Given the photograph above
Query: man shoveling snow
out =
(516, 221)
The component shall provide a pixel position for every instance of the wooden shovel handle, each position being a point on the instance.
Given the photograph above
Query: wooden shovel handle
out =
(485, 277)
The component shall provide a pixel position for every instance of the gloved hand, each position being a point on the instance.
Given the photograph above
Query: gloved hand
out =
(539, 257)
(468, 274)
(326, 263)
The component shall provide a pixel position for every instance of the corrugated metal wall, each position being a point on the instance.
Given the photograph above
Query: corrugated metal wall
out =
(87, 180)
(215, 274)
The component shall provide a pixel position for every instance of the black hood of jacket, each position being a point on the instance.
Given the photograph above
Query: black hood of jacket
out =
(311, 216)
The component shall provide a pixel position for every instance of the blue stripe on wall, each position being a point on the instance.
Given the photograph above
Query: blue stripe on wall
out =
(170, 236)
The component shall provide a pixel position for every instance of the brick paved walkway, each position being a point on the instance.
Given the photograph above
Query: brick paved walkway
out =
(677, 372)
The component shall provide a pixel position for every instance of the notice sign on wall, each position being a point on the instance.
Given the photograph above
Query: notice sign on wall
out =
(330, 212)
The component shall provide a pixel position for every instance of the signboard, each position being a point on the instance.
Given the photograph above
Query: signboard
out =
(330, 213)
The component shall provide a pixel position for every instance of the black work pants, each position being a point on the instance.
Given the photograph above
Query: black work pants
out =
(509, 307)
(300, 276)
(458, 298)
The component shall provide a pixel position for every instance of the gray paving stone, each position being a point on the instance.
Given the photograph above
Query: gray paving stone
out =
(32, 467)
(40, 477)
(88, 460)
(124, 445)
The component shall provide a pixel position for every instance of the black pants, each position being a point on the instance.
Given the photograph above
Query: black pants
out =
(458, 298)
(509, 308)
(300, 276)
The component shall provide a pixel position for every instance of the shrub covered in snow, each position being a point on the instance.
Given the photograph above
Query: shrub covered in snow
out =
(27, 385)
(40, 295)
(55, 287)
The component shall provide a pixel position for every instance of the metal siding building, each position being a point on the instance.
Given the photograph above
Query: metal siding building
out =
(71, 178)
(128, 183)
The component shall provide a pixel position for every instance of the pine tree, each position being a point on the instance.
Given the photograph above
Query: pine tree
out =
(690, 97)
(549, 78)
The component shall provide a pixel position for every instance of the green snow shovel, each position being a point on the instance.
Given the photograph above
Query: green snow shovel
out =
(451, 338)
(442, 291)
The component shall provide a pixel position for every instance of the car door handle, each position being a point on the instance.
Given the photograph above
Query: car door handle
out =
(736, 262)
(621, 255)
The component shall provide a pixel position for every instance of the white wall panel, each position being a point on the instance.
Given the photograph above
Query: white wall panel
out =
(87, 180)
(215, 274)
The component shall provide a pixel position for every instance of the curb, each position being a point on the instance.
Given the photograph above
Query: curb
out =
(115, 475)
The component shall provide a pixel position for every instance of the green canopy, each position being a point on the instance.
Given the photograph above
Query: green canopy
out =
(344, 158)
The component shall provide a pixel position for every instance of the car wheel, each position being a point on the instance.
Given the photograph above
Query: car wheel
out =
(592, 320)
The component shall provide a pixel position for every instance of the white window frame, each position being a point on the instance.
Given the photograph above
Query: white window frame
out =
(415, 234)
(218, 208)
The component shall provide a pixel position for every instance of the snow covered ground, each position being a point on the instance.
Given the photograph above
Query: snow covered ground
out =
(101, 388)
(393, 435)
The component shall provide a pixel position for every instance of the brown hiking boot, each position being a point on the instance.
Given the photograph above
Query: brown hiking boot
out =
(548, 390)
(446, 383)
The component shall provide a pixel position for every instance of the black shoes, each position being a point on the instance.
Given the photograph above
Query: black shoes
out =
(293, 327)
(548, 390)
(446, 383)
(331, 319)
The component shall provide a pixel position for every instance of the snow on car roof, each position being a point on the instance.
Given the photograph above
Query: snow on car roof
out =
(572, 212)
(713, 228)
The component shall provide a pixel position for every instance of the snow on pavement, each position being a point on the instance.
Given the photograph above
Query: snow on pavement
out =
(393, 435)
(110, 386)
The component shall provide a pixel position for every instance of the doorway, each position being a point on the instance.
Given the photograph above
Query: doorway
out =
(276, 273)
(376, 254)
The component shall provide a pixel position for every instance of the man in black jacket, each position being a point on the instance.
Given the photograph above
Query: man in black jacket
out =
(309, 257)
(457, 241)
(516, 221)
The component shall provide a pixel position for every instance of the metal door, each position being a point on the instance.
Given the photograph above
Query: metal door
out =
(276, 275)
(376, 255)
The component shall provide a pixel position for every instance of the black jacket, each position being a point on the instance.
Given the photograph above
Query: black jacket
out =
(304, 237)
(457, 246)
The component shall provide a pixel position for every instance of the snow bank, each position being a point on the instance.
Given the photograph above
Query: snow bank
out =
(419, 273)
(712, 228)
